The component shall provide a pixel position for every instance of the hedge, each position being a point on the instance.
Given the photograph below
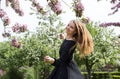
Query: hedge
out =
(103, 75)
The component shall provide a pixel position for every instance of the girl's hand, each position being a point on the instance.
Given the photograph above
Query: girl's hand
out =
(49, 59)
(62, 36)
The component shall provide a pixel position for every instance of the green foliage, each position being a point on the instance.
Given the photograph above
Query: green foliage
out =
(103, 75)
(28, 72)
(104, 56)
(45, 41)
(116, 77)
(104, 46)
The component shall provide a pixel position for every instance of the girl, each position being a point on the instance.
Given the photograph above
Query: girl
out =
(78, 36)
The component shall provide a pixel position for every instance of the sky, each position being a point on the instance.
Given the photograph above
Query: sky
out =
(96, 11)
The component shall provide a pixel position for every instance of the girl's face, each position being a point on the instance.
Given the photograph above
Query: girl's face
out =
(71, 29)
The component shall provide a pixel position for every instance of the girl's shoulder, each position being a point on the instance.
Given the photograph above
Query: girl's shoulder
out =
(70, 40)
(73, 40)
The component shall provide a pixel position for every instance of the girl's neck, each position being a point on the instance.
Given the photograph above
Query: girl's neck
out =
(68, 37)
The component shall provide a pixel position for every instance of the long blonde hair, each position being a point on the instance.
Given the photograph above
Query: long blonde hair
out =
(83, 38)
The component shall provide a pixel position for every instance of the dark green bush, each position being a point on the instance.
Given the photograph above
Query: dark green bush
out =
(116, 77)
(103, 75)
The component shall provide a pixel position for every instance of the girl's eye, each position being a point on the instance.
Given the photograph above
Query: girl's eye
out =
(71, 27)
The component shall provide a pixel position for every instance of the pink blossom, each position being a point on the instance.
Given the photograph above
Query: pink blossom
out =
(50, 4)
(4, 17)
(10, 0)
(7, 2)
(6, 20)
(54, 1)
(110, 24)
(39, 8)
(79, 6)
(23, 28)
(34, 3)
(16, 27)
(56, 7)
(15, 4)
(19, 28)
(113, 1)
(20, 12)
(2, 13)
(79, 9)
(6, 34)
(115, 8)
(16, 43)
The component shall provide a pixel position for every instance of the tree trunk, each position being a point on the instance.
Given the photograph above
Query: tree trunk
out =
(89, 68)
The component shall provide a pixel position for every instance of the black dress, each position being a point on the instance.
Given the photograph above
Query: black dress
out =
(65, 66)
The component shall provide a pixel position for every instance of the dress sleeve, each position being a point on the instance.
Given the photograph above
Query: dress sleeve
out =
(65, 54)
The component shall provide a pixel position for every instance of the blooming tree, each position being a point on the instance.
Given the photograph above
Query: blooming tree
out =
(55, 6)
(115, 9)
(15, 4)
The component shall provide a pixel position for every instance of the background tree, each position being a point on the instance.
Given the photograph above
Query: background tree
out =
(30, 48)
(105, 51)
(34, 46)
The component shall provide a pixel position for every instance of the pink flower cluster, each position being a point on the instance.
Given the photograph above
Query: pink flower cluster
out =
(6, 20)
(38, 7)
(4, 17)
(16, 43)
(110, 24)
(16, 6)
(6, 34)
(55, 6)
(113, 1)
(78, 9)
(115, 8)
(2, 13)
(19, 28)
